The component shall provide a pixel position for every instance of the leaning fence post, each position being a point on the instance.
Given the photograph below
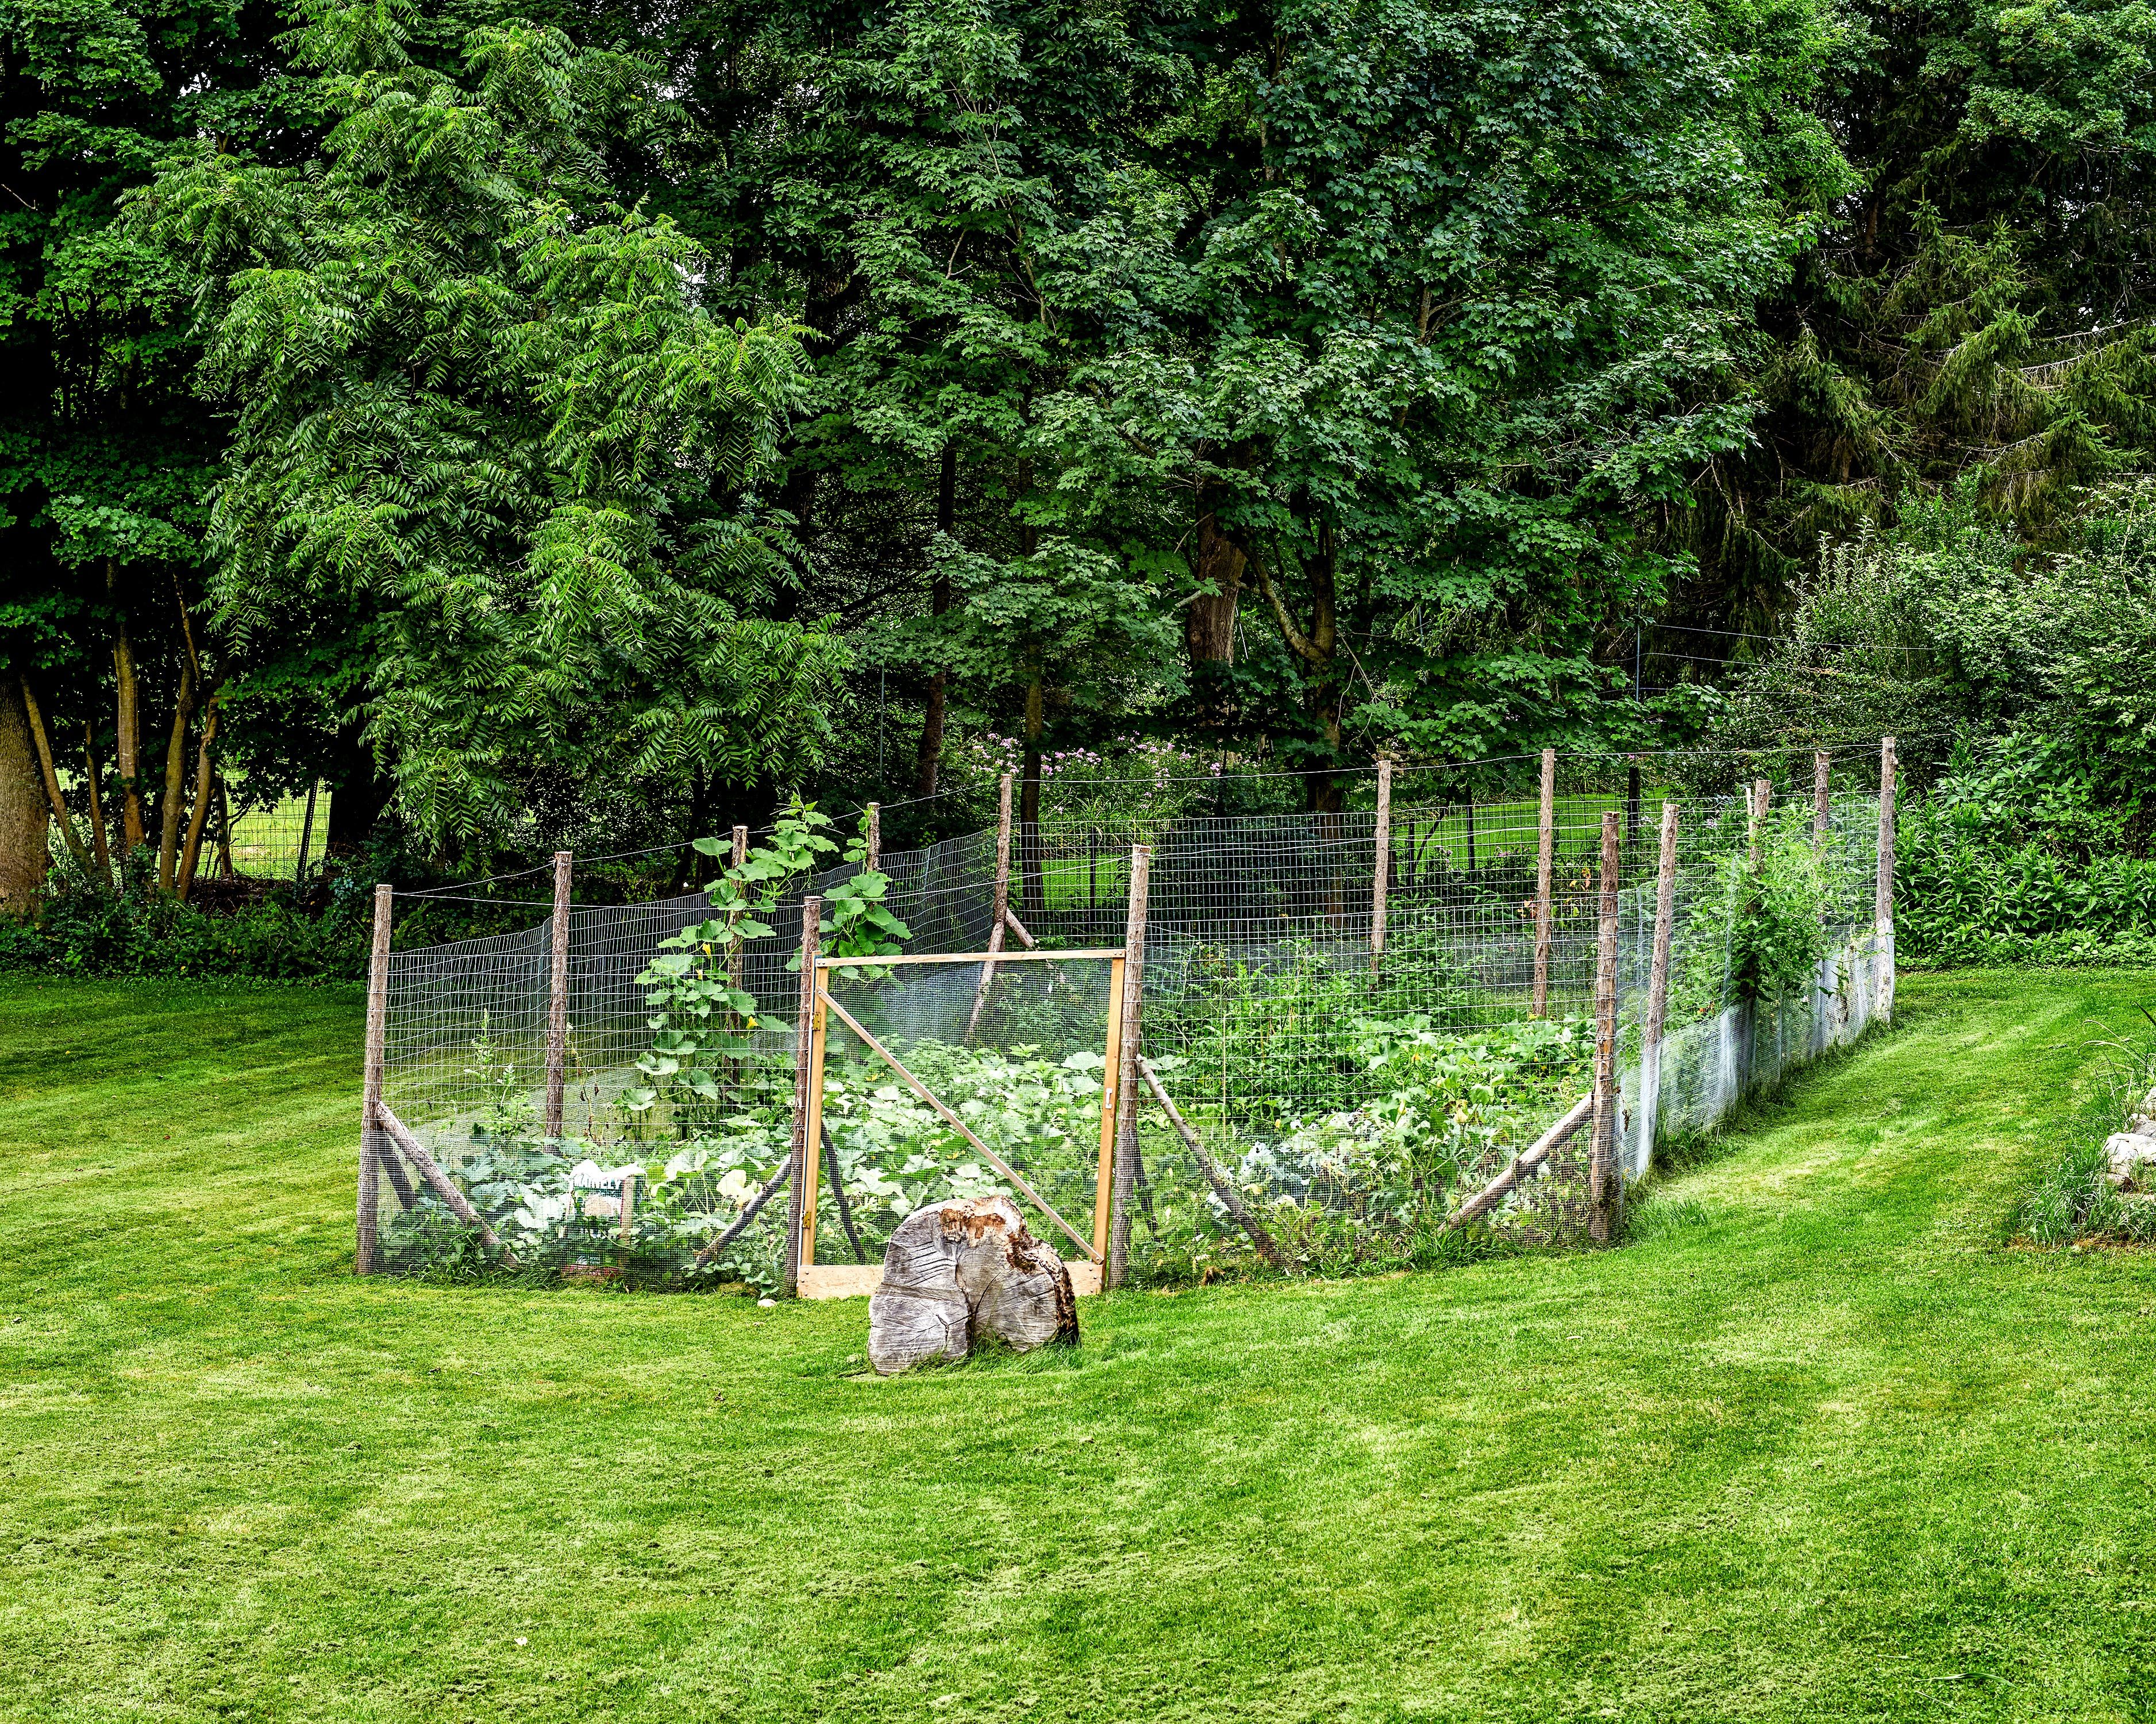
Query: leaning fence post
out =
(1381, 875)
(1126, 1065)
(1604, 1187)
(557, 999)
(370, 1127)
(1000, 915)
(1882, 926)
(874, 857)
(1545, 854)
(1658, 987)
(1822, 798)
(804, 1031)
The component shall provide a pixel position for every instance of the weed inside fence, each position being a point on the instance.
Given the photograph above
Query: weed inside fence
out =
(1357, 1049)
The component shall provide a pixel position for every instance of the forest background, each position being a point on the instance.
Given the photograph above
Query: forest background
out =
(586, 427)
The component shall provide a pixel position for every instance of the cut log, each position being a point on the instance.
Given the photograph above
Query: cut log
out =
(956, 1273)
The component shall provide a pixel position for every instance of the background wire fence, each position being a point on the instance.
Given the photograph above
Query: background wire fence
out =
(1283, 1028)
(246, 836)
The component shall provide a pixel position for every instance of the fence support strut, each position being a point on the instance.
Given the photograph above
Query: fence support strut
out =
(445, 1187)
(804, 1030)
(557, 999)
(1882, 920)
(1221, 1185)
(1527, 1162)
(1658, 985)
(1605, 1188)
(1545, 855)
(1127, 1068)
(370, 1106)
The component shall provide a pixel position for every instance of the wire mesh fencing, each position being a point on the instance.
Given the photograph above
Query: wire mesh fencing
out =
(247, 836)
(1362, 1018)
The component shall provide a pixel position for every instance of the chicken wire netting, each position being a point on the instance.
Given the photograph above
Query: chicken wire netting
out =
(1353, 1076)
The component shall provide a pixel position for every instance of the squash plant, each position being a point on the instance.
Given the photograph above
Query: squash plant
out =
(703, 1058)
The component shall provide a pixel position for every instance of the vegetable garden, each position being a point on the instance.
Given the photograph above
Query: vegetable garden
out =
(1366, 1022)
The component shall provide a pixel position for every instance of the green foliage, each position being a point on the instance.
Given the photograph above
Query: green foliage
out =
(1778, 937)
(481, 414)
(1428, 302)
(704, 1054)
(2024, 687)
(2072, 1199)
(1975, 316)
(137, 931)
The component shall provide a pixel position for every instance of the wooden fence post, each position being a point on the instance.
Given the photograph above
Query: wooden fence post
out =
(804, 1030)
(1545, 855)
(1762, 795)
(1126, 1066)
(999, 916)
(370, 1124)
(1604, 1185)
(1658, 987)
(874, 858)
(1822, 797)
(557, 999)
(1381, 874)
(1882, 926)
(740, 845)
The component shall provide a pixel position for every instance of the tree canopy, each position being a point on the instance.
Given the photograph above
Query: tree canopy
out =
(522, 415)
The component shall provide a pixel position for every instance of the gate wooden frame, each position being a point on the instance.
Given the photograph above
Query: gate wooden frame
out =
(851, 1279)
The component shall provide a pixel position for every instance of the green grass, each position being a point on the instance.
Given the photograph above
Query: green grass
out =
(1818, 1447)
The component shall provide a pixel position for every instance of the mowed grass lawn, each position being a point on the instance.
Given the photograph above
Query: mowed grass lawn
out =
(1826, 1450)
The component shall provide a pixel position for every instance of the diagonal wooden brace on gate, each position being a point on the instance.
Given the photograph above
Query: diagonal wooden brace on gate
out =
(954, 1122)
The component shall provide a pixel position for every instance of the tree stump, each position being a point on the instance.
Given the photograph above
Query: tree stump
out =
(957, 1272)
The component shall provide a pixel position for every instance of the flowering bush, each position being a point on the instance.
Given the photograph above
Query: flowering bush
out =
(1124, 778)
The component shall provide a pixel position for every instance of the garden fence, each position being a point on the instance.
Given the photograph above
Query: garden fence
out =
(1366, 1022)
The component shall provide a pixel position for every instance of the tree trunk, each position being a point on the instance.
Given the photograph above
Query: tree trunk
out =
(174, 803)
(25, 821)
(54, 800)
(225, 871)
(1208, 624)
(99, 842)
(358, 794)
(939, 604)
(191, 855)
(955, 1274)
(1031, 892)
(1322, 661)
(127, 741)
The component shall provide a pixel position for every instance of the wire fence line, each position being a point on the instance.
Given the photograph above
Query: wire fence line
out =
(267, 837)
(1362, 1017)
